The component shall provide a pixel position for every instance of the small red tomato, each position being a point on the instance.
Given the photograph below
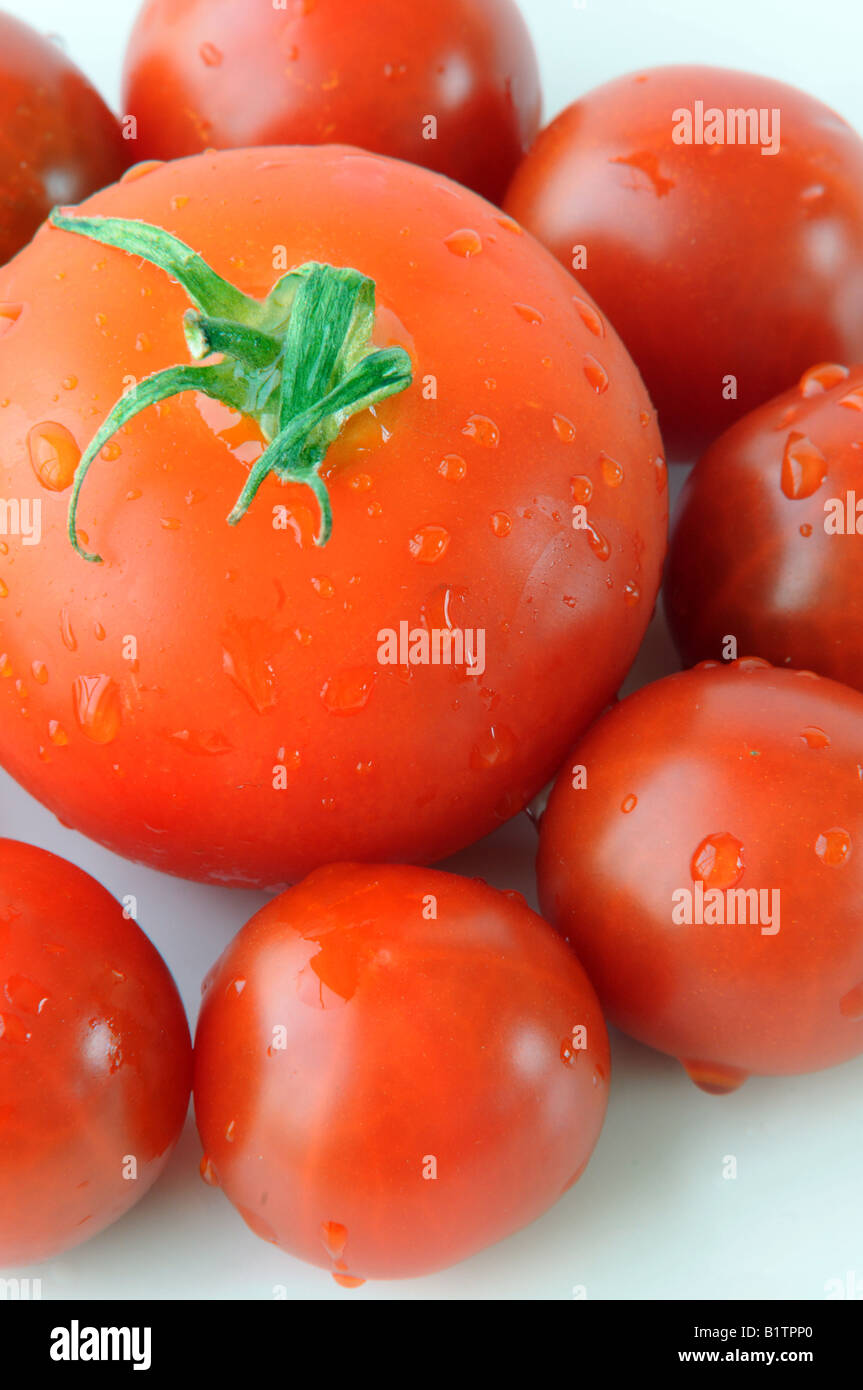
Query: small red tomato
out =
(768, 536)
(453, 85)
(394, 1068)
(58, 140)
(95, 1058)
(702, 851)
(717, 218)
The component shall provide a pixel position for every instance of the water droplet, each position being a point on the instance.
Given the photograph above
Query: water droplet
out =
(97, 707)
(822, 377)
(40, 672)
(833, 847)
(509, 225)
(496, 747)
(854, 399)
(806, 529)
(501, 524)
(69, 383)
(54, 455)
(612, 471)
(589, 316)
(9, 316)
(631, 593)
(647, 163)
(231, 1131)
(529, 314)
(815, 737)
(851, 1004)
(568, 1053)
(323, 586)
(23, 994)
(444, 609)
(598, 543)
(564, 429)
(718, 861)
(246, 660)
(595, 373)
(210, 54)
(465, 242)
(335, 1238)
(348, 1281)
(178, 202)
(452, 467)
(582, 489)
(13, 1030)
(207, 745)
(483, 431)
(138, 171)
(629, 803)
(804, 467)
(714, 1078)
(349, 691)
(57, 733)
(429, 544)
(208, 1172)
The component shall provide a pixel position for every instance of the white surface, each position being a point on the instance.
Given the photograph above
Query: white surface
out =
(652, 1217)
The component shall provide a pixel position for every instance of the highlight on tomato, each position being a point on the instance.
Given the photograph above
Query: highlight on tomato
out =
(95, 1058)
(325, 472)
(766, 544)
(396, 1067)
(58, 140)
(717, 218)
(452, 85)
(701, 852)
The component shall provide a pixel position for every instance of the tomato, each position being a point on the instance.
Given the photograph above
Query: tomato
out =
(395, 1067)
(241, 702)
(58, 140)
(726, 270)
(710, 871)
(453, 85)
(95, 1058)
(766, 544)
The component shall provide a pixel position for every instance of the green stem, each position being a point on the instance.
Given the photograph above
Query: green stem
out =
(300, 362)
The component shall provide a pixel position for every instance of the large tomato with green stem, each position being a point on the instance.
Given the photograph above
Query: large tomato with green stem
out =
(341, 541)
(58, 140)
(452, 85)
(95, 1058)
(395, 1067)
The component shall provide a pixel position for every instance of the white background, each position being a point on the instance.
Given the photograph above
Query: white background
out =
(652, 1217)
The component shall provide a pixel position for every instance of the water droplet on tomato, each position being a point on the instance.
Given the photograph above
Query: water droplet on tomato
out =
(9, 316)
(589, 316)
(718, 861)
(443, 610)
(465, 242)
(833, 847)
(54, 455)
(564, 429)
(429, 544)
(452, 467)
(40, 672)
(501, 524)
(23, 994)
(335, 1238)
(822, 377)
(804, 467)
(582, 489)
(529, 314)
(13, 1029)
(854, 399)
(595, 373)
(495, 747)
(208, 1172)
(349, 691)
(629, 803)
(815, 737)
(598, 543)
(348, 1281)
(631, 593)
(97, 707)
(612, 471)
(57, 733)
(483, 431)
(139, 171)
(246, 660)
(714, 1078)
(210, 54)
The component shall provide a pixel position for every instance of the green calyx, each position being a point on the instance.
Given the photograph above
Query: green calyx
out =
(299, 362)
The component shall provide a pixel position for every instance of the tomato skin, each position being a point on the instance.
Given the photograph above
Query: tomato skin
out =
(223, 74)
(708, 259)
(58, 140)
(255, 655)
(95, 1057)
(751, 555)
(771, 759)
(405, 1038)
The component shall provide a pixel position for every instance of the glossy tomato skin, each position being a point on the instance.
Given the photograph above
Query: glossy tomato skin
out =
(225, 74)
(710, 260)
(249, 731)
(58, 140)
(762, 546)
(385, 1075)
(739, 776)
(95, 1058)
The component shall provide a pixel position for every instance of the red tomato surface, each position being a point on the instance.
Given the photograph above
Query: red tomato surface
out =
(389, 1072)
(711, 260)
(766, 546)
(726, 778)
(95, 1058)
(58, 140)
(224, 74)
(212, 699)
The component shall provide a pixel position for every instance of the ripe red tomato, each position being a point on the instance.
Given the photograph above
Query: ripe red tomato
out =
(95, 1058)
(713, 261)
(766, 545)
(396, 1067)
(235, 702)
(710, 872)
(58, 140)
(453, 85)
